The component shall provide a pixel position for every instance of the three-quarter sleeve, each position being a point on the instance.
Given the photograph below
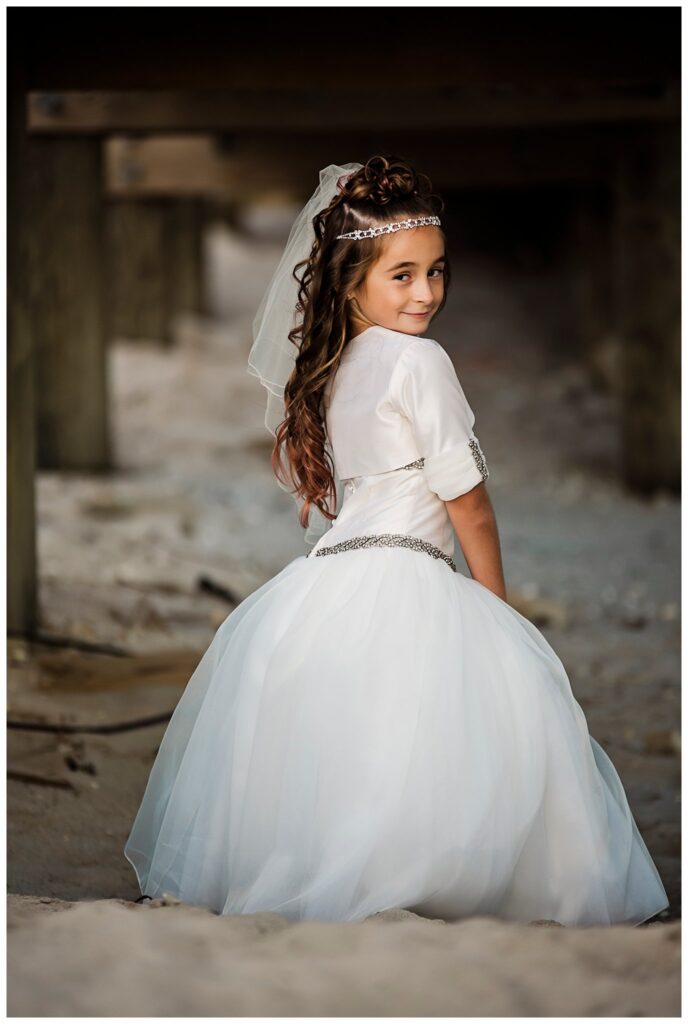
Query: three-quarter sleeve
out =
(425, 388)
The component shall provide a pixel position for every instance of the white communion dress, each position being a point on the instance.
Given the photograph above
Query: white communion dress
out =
(371, 728)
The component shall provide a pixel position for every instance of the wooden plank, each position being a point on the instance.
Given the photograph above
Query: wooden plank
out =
(165, 165)
(179, 165)
(353, 108)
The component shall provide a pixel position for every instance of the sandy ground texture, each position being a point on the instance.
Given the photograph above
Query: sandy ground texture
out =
(110, 959)
(139, 567)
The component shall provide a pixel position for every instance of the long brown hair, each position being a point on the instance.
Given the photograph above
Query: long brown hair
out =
(382, 190)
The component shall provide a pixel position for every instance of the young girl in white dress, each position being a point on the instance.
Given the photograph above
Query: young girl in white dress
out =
(371, 728)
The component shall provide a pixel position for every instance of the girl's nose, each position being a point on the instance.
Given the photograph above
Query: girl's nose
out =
(423, 292)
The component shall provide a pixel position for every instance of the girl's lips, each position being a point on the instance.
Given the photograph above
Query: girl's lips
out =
(419, 316)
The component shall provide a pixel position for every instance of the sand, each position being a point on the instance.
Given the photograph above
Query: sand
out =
(109, 958)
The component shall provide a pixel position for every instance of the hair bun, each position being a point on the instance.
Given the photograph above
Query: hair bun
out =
(383, 179)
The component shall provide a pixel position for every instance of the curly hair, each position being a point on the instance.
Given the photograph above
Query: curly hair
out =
(384, 189)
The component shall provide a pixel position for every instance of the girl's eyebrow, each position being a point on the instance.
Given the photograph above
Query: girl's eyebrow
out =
(410, 263)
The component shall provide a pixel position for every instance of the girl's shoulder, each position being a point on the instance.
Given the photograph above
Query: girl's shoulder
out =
(416, 352)
(398, 341)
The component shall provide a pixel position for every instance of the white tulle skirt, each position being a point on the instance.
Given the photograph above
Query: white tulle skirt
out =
(371, 730)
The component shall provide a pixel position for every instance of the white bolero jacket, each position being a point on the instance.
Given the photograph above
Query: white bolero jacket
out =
(395, 399)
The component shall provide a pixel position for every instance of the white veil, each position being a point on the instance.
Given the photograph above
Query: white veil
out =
(272, 354)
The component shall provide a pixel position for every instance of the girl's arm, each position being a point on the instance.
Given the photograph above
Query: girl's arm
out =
(473, 519)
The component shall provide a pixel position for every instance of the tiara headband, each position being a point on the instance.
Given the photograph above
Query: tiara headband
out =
(397, 225)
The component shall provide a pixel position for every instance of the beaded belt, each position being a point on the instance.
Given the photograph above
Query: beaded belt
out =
(387, 540)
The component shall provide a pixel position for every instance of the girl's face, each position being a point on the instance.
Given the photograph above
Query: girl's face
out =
(406, 280)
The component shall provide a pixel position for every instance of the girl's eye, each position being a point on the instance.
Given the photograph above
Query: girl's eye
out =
(437, 270)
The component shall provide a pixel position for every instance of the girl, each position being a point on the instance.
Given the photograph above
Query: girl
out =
(371, 728)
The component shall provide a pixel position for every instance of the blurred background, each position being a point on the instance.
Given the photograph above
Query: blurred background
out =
(156, 160)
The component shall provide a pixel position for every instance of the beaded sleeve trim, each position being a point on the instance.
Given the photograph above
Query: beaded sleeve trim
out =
(403, 540)
(479, 457)
(476, 452)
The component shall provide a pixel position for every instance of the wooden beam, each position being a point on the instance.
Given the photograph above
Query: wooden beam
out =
(154, 265)
(354, 108)
(185, 256)
(251, 166)
(22, 600)
(173, 166)
(648, 261)
(590, 263)
(64, 230)
(137, 261)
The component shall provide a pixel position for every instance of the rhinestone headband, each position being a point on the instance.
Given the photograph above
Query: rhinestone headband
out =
(397, 225)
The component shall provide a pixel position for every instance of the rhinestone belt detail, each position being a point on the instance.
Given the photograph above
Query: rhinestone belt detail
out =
(386, 540)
